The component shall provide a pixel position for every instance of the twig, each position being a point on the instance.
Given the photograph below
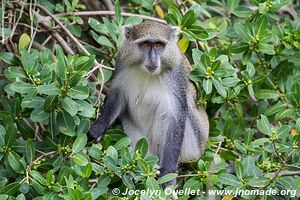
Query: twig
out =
(80, 46)
(291, 173)
(47, 40)
(219, 147)
(3, 11)
(28, 168)
(107, 12)
(189, 175)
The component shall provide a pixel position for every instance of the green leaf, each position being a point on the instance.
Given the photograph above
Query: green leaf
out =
(38, 177)
(261, 26)
(79, 143)
(70, 106)
(266, 94)
(9, 58)
(3, 196)
(83, 127)
(239, 169)
(285, 113)
(86, 109)
(79, 92)
(118, 12)
(11, 188)
(240, 29)
(124, 142)
(112, 152)
(142, 147)
(39, 115)
(62, 64)
(263, 125)
(128, 182)
(275, 109)
(11, 134)
(188, 19)
(22, 88)
(200, 32)
(250, 69)
(79, 159)
(97, 26)
(250, 169)
(207, 86)
(167, 178)
(87, 170)
(152, 184)
(66, 123)
(49, 89)
(15, 162)
(3, 181)
(14, 72)
(109, 162)
(171, 19)
(175, 14)
(85, 66)
(133, 20)
(105, 42)
(266, 48)
(24, 42)
(219, 87)
(283, 131)
(258, 182)
(230, 81)
(232, 4)
(192, 184)
(242, 11)
(104, 180)
(246, 56)
(206, 60)
(30, 151)
(238, 47)
(229, 179)
(75, 29)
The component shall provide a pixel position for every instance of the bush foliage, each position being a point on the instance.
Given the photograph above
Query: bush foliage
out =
(245, 64)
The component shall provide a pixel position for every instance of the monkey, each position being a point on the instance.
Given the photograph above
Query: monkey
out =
(152, 97)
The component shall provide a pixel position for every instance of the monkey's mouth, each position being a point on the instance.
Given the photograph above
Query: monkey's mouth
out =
(151, 68)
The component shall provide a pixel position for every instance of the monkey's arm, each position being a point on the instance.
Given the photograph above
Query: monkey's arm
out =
(176, 126)
(113, 106)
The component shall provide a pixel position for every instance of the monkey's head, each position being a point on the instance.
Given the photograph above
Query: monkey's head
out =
(150, 46)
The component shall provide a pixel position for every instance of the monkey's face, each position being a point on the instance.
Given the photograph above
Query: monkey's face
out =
(152, 52)
(151, 47)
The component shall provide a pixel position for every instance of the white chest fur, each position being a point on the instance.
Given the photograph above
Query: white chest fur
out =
(149, 106)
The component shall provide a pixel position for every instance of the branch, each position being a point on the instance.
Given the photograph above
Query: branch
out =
(106, 12)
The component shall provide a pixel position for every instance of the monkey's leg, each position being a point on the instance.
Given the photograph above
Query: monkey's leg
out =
(113, 106)
(172, 147)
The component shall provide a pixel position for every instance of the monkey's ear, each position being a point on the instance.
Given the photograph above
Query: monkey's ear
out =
(174, 31)
(127, 30)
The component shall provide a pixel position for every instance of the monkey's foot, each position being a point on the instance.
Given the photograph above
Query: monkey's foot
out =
(94, 133)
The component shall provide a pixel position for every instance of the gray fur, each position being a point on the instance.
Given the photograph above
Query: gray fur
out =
(159, 106)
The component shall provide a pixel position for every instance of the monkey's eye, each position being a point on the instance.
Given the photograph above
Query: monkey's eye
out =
(158, 45)
(146, 45)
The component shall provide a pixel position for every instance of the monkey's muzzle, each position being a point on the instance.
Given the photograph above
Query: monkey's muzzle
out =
(151, 68)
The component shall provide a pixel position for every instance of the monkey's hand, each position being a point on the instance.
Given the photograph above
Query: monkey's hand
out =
(96, 131)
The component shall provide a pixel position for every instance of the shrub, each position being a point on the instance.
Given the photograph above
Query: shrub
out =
(245, 64)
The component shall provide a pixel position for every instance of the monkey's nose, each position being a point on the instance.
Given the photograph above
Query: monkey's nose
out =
(151, 68)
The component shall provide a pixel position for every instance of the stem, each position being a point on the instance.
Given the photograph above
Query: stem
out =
(106, 12)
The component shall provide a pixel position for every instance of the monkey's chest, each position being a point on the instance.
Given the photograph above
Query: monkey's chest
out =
(148, 114)
(148, 108)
